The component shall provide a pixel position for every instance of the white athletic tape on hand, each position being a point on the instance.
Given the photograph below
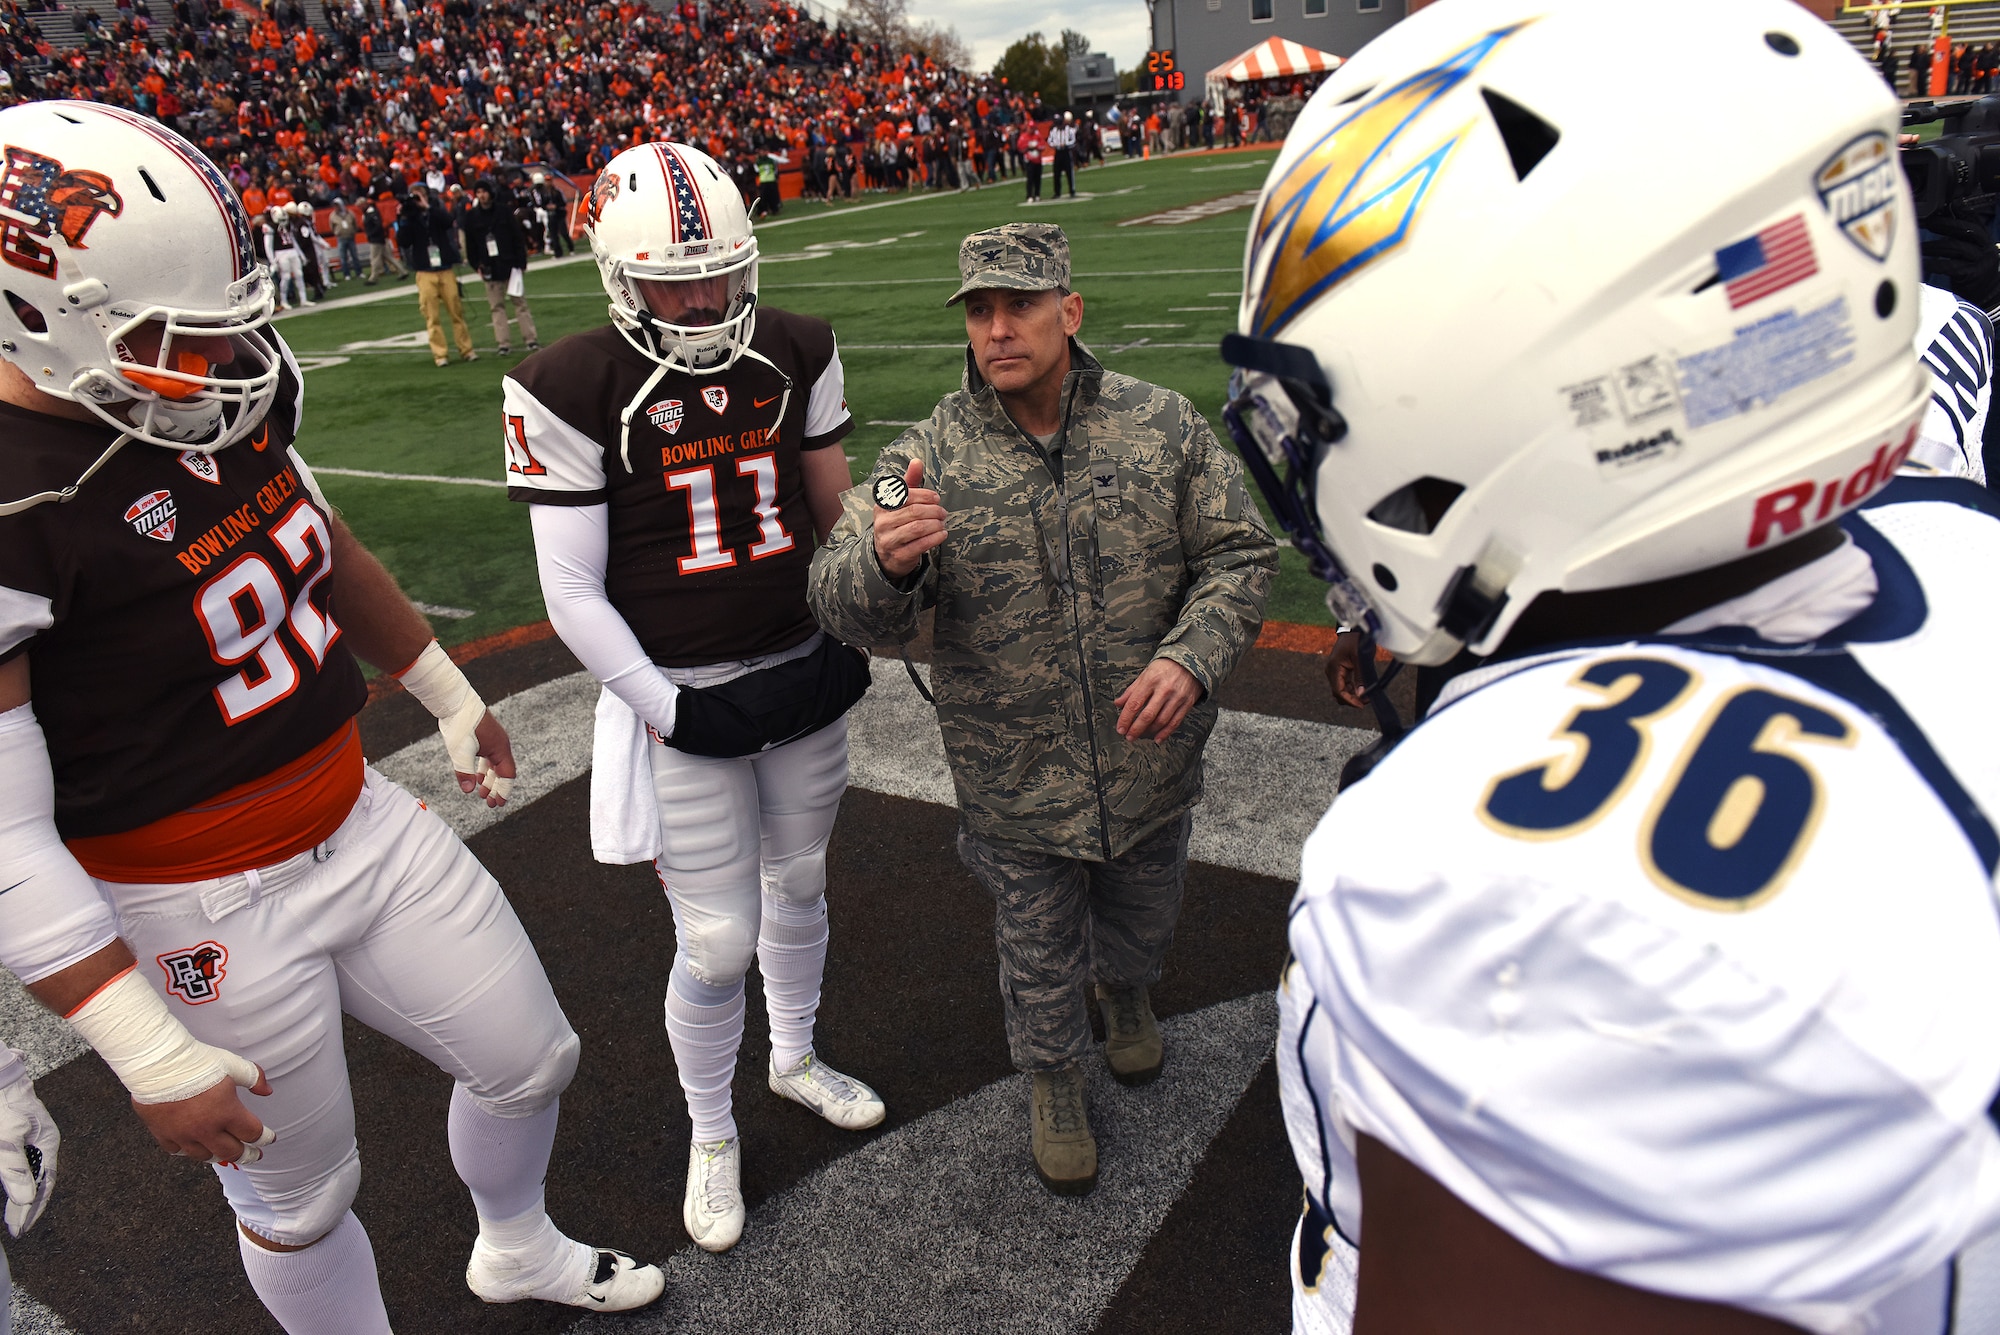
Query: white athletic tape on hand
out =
(253, 1150)
(155, 1056)
(441, 688)
(492, 784)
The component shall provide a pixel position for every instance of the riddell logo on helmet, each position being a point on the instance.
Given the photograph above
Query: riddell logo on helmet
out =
(1784, 512)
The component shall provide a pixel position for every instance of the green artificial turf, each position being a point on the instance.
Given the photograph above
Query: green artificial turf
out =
(1157, 301)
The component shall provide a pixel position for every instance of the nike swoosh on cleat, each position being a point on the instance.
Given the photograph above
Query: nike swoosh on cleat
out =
(18, 884)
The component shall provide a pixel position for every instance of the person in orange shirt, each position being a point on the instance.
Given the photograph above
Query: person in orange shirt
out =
(254, 202)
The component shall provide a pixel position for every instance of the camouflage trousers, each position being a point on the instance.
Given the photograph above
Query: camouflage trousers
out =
(1062, 923)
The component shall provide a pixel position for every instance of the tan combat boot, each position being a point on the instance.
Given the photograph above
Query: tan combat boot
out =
(1132, 1047)
(1065, 1151)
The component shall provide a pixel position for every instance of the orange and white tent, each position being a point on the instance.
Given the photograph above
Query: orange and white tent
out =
(1273, 58)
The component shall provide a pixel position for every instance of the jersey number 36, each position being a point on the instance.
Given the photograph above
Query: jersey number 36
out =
(1736, 811)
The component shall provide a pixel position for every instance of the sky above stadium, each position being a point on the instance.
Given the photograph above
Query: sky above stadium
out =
(1116, 27)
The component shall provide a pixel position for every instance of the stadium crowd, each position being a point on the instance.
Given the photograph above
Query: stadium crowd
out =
(442, 92)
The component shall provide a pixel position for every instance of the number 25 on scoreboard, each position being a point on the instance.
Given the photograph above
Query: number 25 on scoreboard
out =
(1738, 809)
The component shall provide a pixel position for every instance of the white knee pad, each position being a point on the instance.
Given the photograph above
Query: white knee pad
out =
(294, 1218)
(798, 882)
(719, 947)
(539, 1086)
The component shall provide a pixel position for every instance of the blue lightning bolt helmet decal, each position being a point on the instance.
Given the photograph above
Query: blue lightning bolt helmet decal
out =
(1320, 225)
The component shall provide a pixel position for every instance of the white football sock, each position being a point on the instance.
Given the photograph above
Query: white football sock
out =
(705, 1038)
(501, 1160)
(791, 954)
(330, 1288)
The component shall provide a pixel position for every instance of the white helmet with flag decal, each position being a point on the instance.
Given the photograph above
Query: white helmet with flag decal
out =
(120, 244)
(665, 214)
(1521, 317)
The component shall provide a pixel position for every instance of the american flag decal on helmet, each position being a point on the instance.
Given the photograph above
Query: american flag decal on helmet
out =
(690, 214)
(39, 200)
(244, 252)
(24, 211)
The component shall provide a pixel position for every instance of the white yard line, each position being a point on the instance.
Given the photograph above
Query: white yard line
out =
(321, 470)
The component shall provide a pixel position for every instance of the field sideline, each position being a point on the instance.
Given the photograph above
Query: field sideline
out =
(1157, 301)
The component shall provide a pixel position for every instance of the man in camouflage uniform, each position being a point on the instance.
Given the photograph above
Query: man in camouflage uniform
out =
(1097, 571)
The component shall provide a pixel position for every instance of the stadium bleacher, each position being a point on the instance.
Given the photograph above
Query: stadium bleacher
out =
(353, 97)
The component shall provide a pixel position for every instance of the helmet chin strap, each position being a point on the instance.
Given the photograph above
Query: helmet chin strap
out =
(651, 329)
(69, 492)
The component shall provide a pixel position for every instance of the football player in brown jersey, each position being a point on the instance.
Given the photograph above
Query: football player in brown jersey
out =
(199, 869)
(681, 461)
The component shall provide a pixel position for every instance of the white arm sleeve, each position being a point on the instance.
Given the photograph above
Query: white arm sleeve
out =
(51, 915)
(826, 409)
(572, 546)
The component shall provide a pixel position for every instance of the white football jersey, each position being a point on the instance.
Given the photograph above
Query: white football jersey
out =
(1955, 341)
(1679, 958)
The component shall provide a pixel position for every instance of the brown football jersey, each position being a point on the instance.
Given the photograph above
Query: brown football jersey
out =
(710, 537)
(178, 620)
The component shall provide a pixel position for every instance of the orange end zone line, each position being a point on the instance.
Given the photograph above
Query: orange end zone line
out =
(1286, 635)
(534, 633)
(1295, 638)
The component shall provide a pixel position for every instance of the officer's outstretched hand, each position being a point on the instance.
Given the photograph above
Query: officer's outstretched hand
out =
(904, 534)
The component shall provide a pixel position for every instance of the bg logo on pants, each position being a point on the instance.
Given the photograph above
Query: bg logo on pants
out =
(195, 974)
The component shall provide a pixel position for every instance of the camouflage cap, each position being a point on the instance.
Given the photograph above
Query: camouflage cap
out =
(1022, 256)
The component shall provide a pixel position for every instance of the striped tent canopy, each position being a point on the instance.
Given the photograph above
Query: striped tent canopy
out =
(1274, 58)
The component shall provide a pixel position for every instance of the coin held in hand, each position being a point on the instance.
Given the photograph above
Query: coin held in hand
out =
(891, 492)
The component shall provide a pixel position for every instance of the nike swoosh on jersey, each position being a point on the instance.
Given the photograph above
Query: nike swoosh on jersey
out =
(758, 403)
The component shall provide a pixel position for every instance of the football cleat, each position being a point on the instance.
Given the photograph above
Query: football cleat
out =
(713, 1208)
(840, 1099)
(608, 1281)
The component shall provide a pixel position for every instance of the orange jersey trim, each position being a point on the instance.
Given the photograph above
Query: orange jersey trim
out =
(254, 824)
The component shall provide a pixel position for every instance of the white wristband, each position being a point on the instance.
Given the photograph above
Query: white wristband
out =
(440, 687)
(150, 1051)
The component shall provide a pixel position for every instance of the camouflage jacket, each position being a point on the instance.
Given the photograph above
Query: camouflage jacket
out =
(1051, 600)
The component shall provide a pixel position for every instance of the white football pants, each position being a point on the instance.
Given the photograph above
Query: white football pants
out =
(393, 921)
(730, 830)
(291, 266)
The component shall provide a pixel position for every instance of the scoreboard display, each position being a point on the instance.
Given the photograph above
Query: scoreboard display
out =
(1163, 74)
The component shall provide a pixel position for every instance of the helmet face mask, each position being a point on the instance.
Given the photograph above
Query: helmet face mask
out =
(664, 214)
(173, 397)
(697, 323)
(103, 314)
(1576, 332)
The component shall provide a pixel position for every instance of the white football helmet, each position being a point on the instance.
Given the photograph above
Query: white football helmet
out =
(1520, 318)
(110, 222)
(665, 213)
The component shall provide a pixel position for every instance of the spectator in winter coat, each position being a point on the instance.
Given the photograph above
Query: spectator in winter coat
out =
(424, 235)
(381, 254)
(497, 245)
